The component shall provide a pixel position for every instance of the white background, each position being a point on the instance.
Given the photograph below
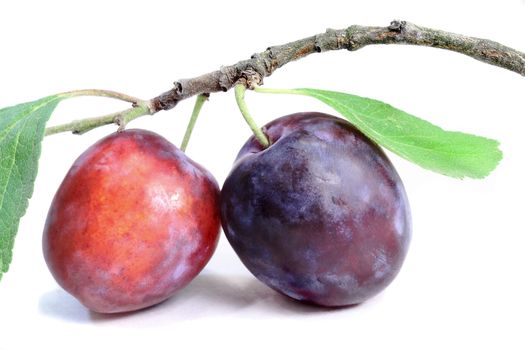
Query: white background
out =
(462, 285)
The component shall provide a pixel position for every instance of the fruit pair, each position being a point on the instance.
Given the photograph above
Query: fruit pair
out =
(320, 215)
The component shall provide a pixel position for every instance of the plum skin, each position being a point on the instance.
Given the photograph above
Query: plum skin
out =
(321, 215)
(133, 221)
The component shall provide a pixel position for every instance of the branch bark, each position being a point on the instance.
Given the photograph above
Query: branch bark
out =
(263, 64)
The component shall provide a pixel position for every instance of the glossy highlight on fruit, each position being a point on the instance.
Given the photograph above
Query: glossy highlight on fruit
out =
(320, 215)
(133, 221)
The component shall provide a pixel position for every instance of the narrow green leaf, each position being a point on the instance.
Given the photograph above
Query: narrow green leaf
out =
(21, 131)
(450, 153)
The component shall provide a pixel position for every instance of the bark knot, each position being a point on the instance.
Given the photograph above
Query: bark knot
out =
(397, 26)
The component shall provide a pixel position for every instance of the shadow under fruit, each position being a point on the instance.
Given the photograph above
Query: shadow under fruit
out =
(133, 221)
(320, 215)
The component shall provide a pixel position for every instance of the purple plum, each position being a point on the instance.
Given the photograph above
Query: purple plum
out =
(321, 215)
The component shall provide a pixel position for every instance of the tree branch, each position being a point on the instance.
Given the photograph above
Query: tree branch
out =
(251, 72)
(263, 64)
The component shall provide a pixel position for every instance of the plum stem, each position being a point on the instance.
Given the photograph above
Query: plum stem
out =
(240, 89)
(199, 102)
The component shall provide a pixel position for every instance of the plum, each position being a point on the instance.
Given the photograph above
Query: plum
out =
(133, 221)
(320, 215)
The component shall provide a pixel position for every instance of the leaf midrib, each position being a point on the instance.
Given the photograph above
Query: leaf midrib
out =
(45, 102)
(366, 126)
(8, 130)
(10, 170)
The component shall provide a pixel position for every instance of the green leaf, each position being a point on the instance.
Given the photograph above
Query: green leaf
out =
(21, 131)
(451, 153)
